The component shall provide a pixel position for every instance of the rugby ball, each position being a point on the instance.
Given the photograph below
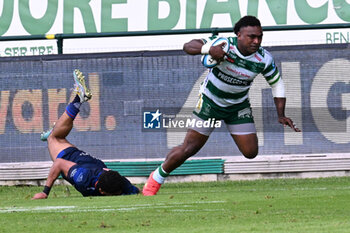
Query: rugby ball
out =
(207, 60)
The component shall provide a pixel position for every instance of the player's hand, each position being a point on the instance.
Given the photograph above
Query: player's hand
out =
(287, 121)
(39, 196)
(217, 52)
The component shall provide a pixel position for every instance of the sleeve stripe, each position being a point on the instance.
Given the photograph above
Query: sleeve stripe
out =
(273, 82)
(268, 78)
(268, 69)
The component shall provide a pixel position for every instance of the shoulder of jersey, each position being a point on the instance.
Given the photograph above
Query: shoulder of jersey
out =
(207, 60)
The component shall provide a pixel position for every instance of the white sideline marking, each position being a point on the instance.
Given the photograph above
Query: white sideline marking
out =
(70, 209)
(34, 209)
(262, 189)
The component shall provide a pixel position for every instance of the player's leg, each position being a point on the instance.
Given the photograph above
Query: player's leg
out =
(240, 124)
(56, 137)
(195, 138)
(56, 141)
(245, 138)
(193, 142)
(177, 156)
(247, 144)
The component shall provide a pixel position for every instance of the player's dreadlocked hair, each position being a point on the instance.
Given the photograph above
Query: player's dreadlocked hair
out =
(246, 21)
(110, 182)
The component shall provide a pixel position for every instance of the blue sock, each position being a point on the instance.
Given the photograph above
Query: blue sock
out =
(72, 109)
(76, 101)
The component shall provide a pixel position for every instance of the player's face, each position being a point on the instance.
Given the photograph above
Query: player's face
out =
(249, 39)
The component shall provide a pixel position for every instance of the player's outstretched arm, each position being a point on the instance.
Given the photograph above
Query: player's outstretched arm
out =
(60, 165)
(193, 47)
(280, 107)
(197, 46)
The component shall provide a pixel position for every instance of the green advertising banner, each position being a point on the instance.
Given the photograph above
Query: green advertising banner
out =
(72, 16)
(40, 17)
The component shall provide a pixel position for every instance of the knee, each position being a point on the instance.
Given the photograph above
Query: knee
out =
(251, 154)
(189, 150)
(51, 139)
(182, 152)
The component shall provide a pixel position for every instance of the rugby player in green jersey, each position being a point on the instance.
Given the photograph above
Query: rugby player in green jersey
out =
(224, 96)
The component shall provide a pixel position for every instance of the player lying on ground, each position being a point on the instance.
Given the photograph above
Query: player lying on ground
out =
(87, 174)
(224, 96)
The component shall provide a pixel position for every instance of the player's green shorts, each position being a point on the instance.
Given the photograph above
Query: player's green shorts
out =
(236, 114)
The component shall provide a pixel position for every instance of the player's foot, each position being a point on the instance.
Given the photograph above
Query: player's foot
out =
(44, 135)
(80, 87)
(151, 187)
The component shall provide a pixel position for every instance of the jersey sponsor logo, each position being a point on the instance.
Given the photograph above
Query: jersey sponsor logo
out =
(77, 175)
(237, 72)
(73, 173)
(83, 153)
(229, 79)
(80, 177)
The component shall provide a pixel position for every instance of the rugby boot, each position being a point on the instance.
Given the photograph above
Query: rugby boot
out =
(80, 87)
(151, 187)
(44, 135)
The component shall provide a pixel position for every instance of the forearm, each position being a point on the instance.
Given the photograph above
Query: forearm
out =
(193, 47)
(54, 172)
(60, 165)
(280, 104)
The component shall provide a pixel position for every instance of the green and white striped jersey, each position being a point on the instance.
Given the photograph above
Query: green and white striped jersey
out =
(229, 82)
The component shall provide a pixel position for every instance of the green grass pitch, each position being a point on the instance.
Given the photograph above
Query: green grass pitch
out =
(278, 205)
